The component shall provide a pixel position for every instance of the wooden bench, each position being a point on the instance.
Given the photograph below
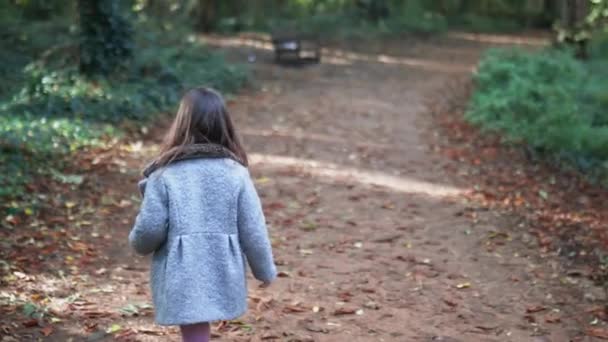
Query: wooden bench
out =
(296, 48)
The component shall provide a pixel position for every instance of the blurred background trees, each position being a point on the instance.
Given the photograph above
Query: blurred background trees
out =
(320, 15)
(76, 71)
(106, 36)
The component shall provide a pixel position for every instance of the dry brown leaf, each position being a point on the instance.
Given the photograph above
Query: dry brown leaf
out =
(553, 317)
(47, 331)
(283, 274)
(486, 328)
(151, 332)
(597, 332)
(345, 311)
(388, 238)
(535, 309)
(450, 302)
(30, 323)
(269, 336)
(293, 309)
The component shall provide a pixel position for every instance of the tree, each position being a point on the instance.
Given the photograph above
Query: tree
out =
(206, 15)
(579, 19)
(106, 36)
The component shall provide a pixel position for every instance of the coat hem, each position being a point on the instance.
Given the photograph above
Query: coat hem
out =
(202, 320)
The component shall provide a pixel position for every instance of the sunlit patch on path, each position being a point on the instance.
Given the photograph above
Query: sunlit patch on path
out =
(344, 57)
(337, 172)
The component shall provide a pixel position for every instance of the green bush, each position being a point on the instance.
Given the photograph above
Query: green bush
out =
(549, 100)
(48, 109)
(415, 22)
(106, 36)
(484, 23)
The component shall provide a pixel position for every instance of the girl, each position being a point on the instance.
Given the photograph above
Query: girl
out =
(202, 219)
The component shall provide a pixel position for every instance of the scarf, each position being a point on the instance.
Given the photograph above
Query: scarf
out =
(194, 151)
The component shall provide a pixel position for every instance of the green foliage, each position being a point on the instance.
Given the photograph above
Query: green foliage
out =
(414, 17)
(584, 28)
(344, 18)
(106, 36)
(598, 47)
(548, 100)
(49, 110)
(481, 23)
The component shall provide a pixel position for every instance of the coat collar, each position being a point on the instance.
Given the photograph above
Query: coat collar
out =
(194, 151)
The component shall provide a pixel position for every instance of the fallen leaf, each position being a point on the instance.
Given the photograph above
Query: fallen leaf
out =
(388, 239)
(269, 336)
(388, 205)
(450, 302)
(151, 332)
(553, 317)
(262, 180)
(294, 309)
(463, 285)
(486, 328)
(30, 323)
(535, 309)
(129, 310)
(597, 332)
(309, 227)
(125, 203)
(345, 296)
(96, 314)
(29, 309)
(113, 328)
(47, 331)
(96, 336)
(315, 328)
(345, 311)
(372, 305)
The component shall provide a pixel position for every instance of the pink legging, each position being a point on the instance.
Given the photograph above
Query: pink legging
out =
(199, 332)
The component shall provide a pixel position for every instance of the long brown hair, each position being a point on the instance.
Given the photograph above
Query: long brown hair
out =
(202, 118)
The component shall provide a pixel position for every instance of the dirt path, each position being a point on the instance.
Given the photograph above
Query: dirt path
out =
(371, 235)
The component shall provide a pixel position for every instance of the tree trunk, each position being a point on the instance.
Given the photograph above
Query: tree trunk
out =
(206, 15)
(106, 37)
(572, 16)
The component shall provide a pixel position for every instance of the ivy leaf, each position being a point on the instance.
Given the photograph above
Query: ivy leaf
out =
(29, 309)
(114, 328)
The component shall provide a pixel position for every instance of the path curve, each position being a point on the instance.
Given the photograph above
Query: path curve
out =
(371, 234)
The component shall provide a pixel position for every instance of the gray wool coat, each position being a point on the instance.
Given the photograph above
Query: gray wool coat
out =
(203, 221)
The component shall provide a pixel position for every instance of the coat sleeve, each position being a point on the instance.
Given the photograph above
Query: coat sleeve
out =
(150, 229)
(141, 186)
(253, 235)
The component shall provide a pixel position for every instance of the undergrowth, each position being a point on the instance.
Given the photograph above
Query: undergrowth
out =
(350, 23)
(48, 110)
(549, 100)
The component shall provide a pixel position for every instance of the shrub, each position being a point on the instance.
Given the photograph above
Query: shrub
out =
(49, 110)
(547, 99)
(106, 36)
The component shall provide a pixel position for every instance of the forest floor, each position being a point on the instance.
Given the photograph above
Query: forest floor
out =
(374, 229)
